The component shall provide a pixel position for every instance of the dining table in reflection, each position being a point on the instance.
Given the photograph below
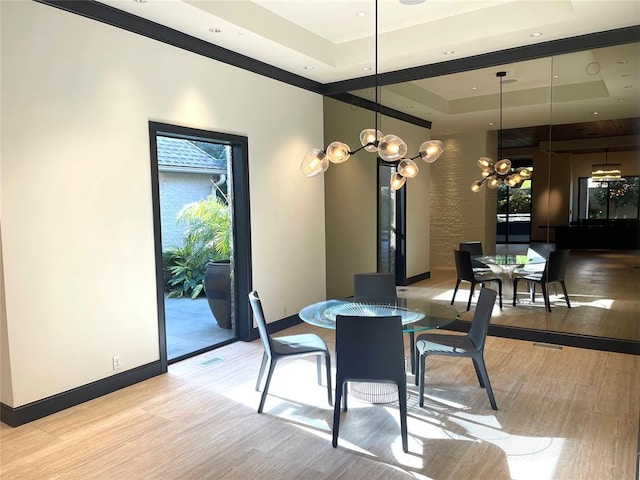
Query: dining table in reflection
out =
(508, 265)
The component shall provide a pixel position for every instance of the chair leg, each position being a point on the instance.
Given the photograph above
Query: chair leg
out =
(532, 291)
(327, 360)
(336, 413)
(500, 292)
(272, 366)
(545, 295)
(263, 364)
(345, 394)
(471, 290)
(412, 349)
(475, 366)
(319, 368)
(566, 295)
(515, 291)
(422, 371)
(482, 368)
(455, 290)
(402, 400)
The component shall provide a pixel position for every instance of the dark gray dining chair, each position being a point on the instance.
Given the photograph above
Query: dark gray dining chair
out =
(554, 272)
(465, 273)
(369, 349)
(276, 348)
(475, 249)
(379, 287)
(455, 345)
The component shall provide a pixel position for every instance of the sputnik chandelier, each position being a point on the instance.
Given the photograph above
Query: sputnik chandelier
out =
(390, 148)
(500, 172)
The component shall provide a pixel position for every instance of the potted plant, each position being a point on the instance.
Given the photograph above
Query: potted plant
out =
(208, 242)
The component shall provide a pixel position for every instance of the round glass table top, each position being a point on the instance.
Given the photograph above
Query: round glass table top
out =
(416, 314)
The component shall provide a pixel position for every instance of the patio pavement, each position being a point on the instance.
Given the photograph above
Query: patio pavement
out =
(191, 326)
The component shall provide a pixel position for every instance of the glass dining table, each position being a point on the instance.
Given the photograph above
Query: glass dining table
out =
(416, 315)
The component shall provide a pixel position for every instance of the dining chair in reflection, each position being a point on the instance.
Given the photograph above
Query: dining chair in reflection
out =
(475, 249)
(276, 348)
(369, 349)
(470, 345)
(553, 273)
(465, 273)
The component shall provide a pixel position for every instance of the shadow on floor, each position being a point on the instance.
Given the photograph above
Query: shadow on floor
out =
(191, 326)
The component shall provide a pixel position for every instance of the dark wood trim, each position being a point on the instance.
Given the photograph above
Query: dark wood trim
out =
(15, 417)
(518, 54)
(389, 112)
(117, 18)
(557, 338)
(418, 278)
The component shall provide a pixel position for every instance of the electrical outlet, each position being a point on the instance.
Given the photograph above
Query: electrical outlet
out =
(116, 362)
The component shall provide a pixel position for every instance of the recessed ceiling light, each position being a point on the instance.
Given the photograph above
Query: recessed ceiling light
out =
(140, 1)
(215, 30)
(411, 2)
(491, 123)
(361, 13)
(449, 52)
(556, 76)
(536, 34)
(366, 69)
(622, 62)
(626, 75)
(474, 88)
(308, 67)
(595, 113)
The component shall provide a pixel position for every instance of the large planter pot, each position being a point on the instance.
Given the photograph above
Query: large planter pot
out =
(217, 287)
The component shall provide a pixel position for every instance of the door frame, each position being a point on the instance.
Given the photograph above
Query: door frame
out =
(241, 224)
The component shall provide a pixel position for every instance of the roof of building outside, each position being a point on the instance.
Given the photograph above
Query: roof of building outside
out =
(178, 152)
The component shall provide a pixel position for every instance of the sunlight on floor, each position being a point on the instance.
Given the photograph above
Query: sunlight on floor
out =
(295, 397)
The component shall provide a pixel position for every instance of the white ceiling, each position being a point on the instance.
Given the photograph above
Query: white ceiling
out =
(326, 41)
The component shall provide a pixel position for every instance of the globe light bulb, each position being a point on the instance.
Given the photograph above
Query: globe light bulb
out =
(370, 138)
(391, 148)
(431, 150)
(338, 152)
(397, 181)
(314, 163)
(408, 168)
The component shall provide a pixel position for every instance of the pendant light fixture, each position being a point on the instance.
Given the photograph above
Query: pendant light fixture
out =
(500, 172)
(605, 172)
(390, 148)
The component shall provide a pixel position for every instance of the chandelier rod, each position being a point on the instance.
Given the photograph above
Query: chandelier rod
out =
(375, 72)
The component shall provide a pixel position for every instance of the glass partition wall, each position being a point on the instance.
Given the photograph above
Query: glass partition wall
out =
(543, 127)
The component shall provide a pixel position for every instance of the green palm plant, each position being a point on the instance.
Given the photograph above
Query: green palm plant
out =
(207, 237)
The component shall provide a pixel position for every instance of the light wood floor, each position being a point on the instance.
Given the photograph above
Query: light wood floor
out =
(604, 291)
(563, 414)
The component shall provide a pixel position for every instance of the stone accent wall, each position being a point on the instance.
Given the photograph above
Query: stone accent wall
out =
(458, 214)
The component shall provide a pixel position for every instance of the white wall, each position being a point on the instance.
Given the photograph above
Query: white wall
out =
(76, 209)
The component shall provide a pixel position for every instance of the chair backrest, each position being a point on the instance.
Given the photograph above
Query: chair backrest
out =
(474, 248)
(464, 267)
(369, 348)
(258, 314)
(556, 266)
(539, 250)
(482, 317)
(374, 287)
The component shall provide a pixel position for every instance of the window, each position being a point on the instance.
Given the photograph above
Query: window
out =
(612, 200)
